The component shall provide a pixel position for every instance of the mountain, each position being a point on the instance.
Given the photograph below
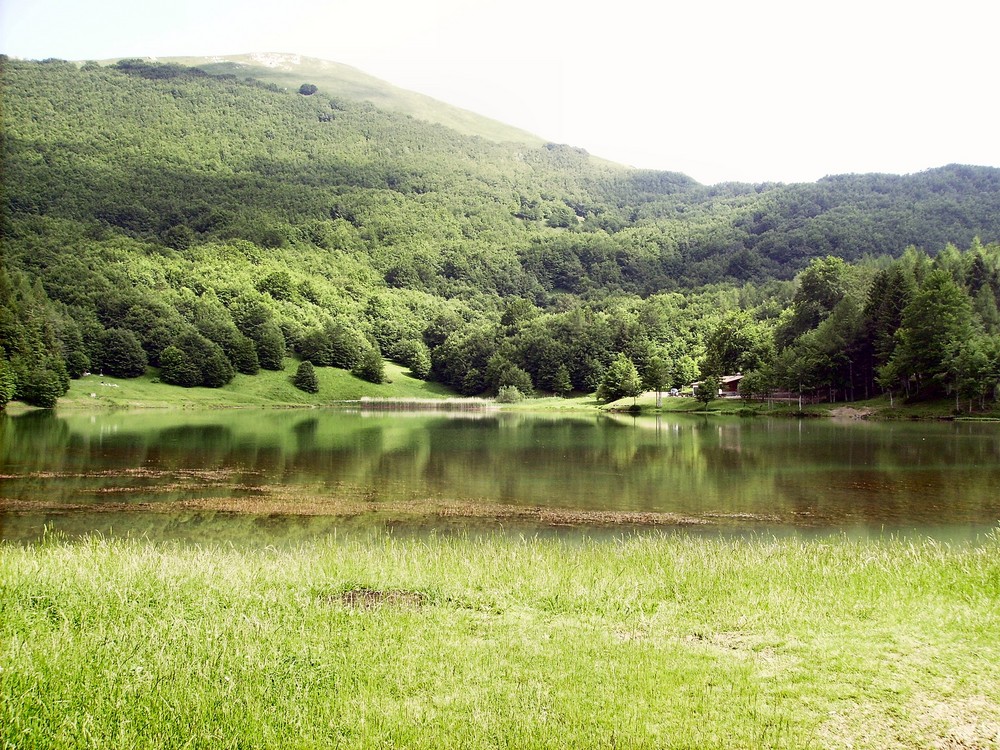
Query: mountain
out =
(290, 71)
(260, 205)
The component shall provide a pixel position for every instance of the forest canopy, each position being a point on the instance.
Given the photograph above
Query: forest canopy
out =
(156, 215)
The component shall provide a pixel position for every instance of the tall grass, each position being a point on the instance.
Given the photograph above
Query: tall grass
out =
(652, 641)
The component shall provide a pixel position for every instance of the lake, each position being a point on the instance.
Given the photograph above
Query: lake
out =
(263, 476)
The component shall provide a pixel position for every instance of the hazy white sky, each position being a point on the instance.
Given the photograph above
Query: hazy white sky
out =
(751, 90)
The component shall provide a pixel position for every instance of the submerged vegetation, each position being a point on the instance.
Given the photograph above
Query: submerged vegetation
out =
(664, 641)
(209, 226)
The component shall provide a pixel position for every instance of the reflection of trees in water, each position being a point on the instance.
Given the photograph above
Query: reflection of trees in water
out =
(604, 463)
(896, 475)
(35, 438)
(810, 469)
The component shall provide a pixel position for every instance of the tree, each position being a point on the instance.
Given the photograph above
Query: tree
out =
(561, 384)
(256, 322)
(216, 369)
(971, 371)
(708, 389)
(509, 394)
(195, 360)
(278, 284)
(41, 387)
(305, 378)
(938, 317)
(656, 376)
(316, 347)
(414, 354)
(8, 383)
(821, 286)
(176, 368)
(737, 344)
(621, 380)
(370, 366)
(501, 372)
(270, 344)
(756, 384)
(243, 354)
(517, 311)
(891, 291)
(122, 356)
(308, 89)
(346, 346)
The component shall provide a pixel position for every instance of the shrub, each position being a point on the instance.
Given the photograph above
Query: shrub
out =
(509, 394)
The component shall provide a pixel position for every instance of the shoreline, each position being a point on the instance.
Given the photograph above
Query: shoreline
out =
(402, 391)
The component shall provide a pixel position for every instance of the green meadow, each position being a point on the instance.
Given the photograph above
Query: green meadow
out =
(665, 641)
(268, 388)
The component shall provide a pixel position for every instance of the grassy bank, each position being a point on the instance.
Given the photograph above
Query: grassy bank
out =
(267, 388)
(646, 642)
(876, 408)
(275, 389)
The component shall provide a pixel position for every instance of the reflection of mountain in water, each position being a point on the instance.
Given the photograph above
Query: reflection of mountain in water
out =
(813, 473)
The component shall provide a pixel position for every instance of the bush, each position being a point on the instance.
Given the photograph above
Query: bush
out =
(509, 394)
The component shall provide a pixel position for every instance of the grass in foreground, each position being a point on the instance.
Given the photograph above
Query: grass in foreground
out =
(669, 641)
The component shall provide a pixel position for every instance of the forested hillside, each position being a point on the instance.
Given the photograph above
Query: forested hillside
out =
(206, 224)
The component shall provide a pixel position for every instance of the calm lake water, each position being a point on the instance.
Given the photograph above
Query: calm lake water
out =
(274, 476)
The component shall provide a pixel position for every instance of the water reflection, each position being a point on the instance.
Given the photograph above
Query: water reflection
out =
(163, 472)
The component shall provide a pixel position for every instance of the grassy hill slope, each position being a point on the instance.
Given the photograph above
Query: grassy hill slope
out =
(335, 79)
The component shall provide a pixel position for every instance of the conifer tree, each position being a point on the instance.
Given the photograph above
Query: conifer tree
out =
(305, 377)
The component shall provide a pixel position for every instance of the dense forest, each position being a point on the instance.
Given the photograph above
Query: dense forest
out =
(158, 215)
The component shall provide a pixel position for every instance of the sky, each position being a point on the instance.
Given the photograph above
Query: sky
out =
(750, 91)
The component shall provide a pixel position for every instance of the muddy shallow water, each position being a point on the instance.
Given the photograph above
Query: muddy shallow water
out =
(272, 476)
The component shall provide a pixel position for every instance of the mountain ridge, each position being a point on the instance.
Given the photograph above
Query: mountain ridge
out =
(339, 79)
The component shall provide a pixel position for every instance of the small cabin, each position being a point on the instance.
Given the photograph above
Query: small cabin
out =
(730, 384)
